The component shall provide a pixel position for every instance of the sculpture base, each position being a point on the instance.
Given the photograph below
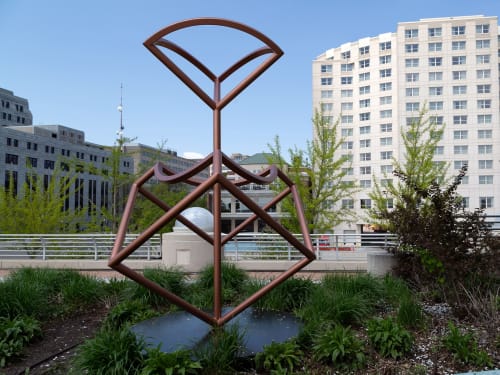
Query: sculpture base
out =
(181, 330)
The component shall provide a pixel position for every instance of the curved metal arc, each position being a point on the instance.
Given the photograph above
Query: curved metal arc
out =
(264, 178)
(243, 61)
(186, 176)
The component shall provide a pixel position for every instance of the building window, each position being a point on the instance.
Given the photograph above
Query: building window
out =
(386, 169)
(483, 89)
(49, 164)
(485, 180)
(365, 203)
(485, 202)
(458, 60)
(435, 47)
(412, 77)
(484, 103)
(364, 90)
(31, 162)
(411, 33)
(435, 31)
(345, 80)
(484, 134)
(364, 50)
(465, 202)
(365, 129)
(385, 59)
(458, 164)
(346, 93)
(483, 73)
(347, 145)
(348, 171)
(365, 156)
(435, 61)
(386, 155)
(485, 149)
(460, 104)
(346, 106)
(327, 120)
(364, 76)
(484, 43)
(437, 120)
(326, 107)
(386, 141)
(460, 134)
(326, 81)
(364, 63)
(347, 132)
(385, 128)
(348, 203)
(346, 119)
(484, 119)
(460, 149)
(346, 67)
(439, 150)
(365, 184)
(435, 76)
(485, 164)
(345, 55)
(411, 48)
(383, 46)
(365, 170)
(326, 68)
(363, 143)
(414, 106)
(384, 73)
(460, 120)
(482, 59)
(364, 116)
(459, 74)
(482, 29)
(435, 106)
(458, 45)
(457, 30)
(459, 90)
(386, 113)
(385, 100)
(411, 63)
(326, 94)
(11, 159)
(364, 103)
(436, 91)
(386, 86)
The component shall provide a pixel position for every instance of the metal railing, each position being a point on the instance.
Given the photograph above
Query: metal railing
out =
(71, 246)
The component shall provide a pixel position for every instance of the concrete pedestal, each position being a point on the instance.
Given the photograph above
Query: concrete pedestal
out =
(380, 263)
(186, 250)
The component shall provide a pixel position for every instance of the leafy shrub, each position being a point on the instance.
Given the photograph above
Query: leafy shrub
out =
(15, 334)
(219, 353)
(176, 363)
(128, 312)
(170, 279)
(340, 347)
(395, 289)
(465, 348)
(110, 352)
(389, 338)
(279, 358)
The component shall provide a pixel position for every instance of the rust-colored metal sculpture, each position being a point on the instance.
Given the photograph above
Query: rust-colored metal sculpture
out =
(216, 182)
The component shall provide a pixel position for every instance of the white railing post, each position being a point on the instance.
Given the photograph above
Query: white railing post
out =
(44, 250)
(95, 247)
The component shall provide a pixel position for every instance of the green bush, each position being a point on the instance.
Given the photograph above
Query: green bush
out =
(170, 279)
(389, 338)
(464, 348)
(110, 352)
(395, 289)
(340, 347)
(279, 358)
(410, 313)
(15, 334)
(176, 363)
(127, 313)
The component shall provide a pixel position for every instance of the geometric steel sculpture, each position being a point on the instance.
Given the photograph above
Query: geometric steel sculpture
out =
(216, 182)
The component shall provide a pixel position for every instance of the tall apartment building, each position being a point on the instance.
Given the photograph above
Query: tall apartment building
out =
(376, 86)
(13, 109)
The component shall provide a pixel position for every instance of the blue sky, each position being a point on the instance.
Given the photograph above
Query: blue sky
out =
(70, 57)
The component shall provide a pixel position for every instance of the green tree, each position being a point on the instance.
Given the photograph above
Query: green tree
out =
(40, 206)
(420, 140)
(318, 172)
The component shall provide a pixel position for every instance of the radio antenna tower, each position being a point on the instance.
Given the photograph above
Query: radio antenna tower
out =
(122, 128)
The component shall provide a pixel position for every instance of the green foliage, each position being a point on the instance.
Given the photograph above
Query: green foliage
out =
(339, 346)
(110, 352)
(233, 281)
(39, 208)
(176, 363)
(15, 334)
(464, 348)
(219, 354)
(292, 294)
(410, 313)
(318, 174)
(389, 338)
(171, 279)
(279, 358)
(127, 313)
(395, 289)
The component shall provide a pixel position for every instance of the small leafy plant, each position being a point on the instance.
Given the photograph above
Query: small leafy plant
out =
(15, 334)
(410, 314)
(279, 358)
(176, 363)
(464, 347)
(340, 347)
(389, 338)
